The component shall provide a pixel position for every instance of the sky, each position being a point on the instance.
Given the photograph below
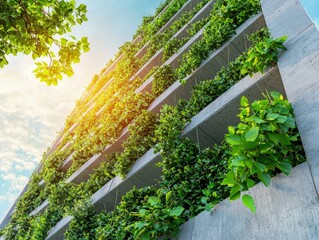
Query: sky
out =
(31, 114)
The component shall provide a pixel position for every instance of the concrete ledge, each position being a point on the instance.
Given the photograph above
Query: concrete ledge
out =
(67, 163)
(57, 232)
(42, 183)
(287, 209)
(40, 209)
(94, 162)
(209, 125)
(143, 173)
(299, 69)
(186, 7)
(201, 14)
(208, 68)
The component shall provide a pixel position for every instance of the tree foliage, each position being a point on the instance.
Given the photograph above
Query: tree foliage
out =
(39, 28)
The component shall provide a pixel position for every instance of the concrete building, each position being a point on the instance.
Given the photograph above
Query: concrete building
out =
(289, 207)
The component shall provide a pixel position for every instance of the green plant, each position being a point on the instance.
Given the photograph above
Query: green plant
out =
(140, 140)
(264, 142)
(157, 217)
(194, 176)
(163, 78)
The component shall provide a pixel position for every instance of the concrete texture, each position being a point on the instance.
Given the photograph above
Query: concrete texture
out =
(57, 232)
(201, 14)
(42, 183)
(67, 163)
(209, 126)
(287, 209)
(299, 69)
(143, 173)
(40, 209)
(186, 7)
(209, 67)
(94, 162)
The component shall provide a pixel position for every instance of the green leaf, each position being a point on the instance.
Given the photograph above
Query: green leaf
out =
(252, 134)
(279, 138)
(234, 193)
(229, 180)
(244, 101)
(272, 116)
(285, 167)
(249, 202)
(233, 139)
(264, 177)
(176, 212)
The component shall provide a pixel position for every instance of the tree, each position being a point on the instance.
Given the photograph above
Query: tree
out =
(39, 28)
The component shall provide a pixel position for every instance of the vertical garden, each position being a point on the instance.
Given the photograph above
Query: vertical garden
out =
(139, 155)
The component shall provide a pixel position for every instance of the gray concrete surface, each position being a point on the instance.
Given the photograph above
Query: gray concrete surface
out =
(299, 68)
(286, 210)
(209, 126)
(143, 173)
(57, 232)
(186, 7)
(40, 209)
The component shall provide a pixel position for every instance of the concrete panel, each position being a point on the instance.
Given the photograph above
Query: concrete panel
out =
(299, 69)
(112, 66)
(143, 173)
(137, 39)
(42, 183)
(57, 232)
(40, 209)
(209, 67)
(155, 60)
(186, 7)
(285, 17)
(142, 51)
(287, 209)
(67, 163)
(94, 162)
(221, 113)
(201, 14)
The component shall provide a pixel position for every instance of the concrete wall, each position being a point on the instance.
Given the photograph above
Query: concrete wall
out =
(289, 207)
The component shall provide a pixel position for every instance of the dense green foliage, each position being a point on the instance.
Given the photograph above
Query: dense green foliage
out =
(266, 141)
(36, 27)
(193, 179)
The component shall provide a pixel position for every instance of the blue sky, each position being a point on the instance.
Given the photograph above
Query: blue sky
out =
(31, 114)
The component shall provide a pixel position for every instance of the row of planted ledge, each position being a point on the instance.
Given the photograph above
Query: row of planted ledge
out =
(206, 128)
(105, 73)
(217, 59)
(156, 60)
(186, 7)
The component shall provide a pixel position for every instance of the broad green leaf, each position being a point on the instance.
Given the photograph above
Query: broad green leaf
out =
(279, 138)
(249, 202)
(234, 193)
(229, 180)
(285, 167)
(264, 177)
(176, 212)
(244, 101)
(252, 134)
(233, 139)
(272, 116)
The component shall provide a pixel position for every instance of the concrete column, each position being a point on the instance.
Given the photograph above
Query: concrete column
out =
(299, 69)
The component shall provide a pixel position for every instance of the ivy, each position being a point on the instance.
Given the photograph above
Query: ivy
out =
(163, 78)
(265, 142)
(140, 140)
(225, 17)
